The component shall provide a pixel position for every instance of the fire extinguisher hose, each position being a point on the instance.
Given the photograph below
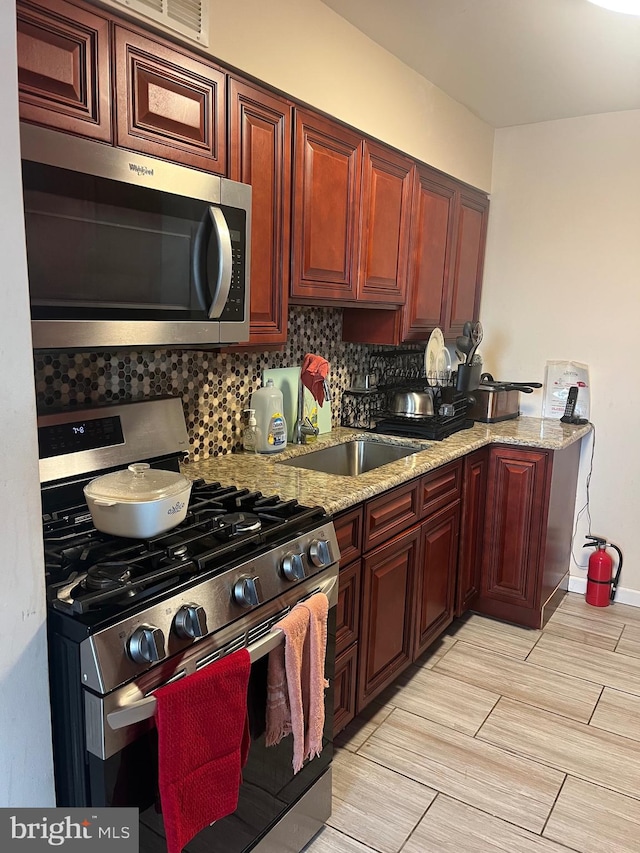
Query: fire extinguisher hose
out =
(614, 583)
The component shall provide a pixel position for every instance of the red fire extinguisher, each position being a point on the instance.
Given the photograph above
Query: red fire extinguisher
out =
(601, 585)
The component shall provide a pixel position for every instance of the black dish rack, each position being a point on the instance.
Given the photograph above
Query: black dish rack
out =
(404, 371)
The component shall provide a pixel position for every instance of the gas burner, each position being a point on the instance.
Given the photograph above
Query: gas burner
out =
(106, 575)
(242, 522)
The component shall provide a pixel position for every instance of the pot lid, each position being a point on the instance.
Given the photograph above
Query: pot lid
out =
(139, 482)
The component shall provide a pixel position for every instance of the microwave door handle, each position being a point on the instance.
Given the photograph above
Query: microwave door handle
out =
(225, 262)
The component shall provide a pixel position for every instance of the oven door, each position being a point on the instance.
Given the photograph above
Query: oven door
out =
(277, 809)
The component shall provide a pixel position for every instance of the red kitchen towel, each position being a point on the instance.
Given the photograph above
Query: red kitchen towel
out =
(203, 743)
(315, 370)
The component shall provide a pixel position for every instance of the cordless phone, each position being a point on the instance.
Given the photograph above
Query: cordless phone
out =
(569, 417)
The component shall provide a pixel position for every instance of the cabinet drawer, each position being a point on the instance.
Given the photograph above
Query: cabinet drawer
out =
(348, 612)
(348, 527)
(440, 487)
(391, 513)
(344, 689)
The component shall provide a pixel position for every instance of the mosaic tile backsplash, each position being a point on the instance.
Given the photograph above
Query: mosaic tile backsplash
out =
(215, 386)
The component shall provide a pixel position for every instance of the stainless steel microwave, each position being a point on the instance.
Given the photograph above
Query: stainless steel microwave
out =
(125, 250)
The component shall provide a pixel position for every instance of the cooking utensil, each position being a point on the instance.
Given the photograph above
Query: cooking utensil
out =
(466, 329)
(464, 343)
(138, 502)
(412, 404)
(476, 338)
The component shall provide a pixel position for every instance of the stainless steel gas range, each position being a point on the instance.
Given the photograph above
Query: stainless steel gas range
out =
(128, 616)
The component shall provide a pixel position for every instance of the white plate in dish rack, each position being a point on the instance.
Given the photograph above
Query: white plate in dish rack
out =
(432, 352)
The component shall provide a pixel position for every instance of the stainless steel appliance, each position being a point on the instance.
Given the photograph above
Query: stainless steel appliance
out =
(127, 616)
(492, 402)
(128, 250)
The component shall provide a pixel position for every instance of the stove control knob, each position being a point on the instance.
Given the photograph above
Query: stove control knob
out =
(320, 553)
(246, 592)
(191, 622)
(146, 644)
(293, 567)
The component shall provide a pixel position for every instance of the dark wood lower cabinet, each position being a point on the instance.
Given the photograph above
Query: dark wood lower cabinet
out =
(436, 576)
(344, 688)
(474, 492)
(386, 639)
(527, 533)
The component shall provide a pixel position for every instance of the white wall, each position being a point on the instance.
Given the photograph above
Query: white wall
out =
(308, 51)
(562, 281)
(26, 776)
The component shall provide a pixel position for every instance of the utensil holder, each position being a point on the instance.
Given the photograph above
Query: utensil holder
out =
(468, 376)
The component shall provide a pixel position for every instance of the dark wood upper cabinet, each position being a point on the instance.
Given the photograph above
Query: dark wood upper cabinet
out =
(432, 236)
(463, 296)
(260, 155)
(448, 234)
(327, 173)
(168, 104)
(352, 200)
(63, 68)
(384, 243)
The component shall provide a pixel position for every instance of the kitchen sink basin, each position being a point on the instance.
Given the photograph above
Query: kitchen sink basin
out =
(351, 458)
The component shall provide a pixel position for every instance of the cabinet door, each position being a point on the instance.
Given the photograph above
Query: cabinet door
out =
(260, 155)
(474, 488)
(344, 688)
(63, 68)
(168, 104)
(436, 576)
(432, 237)
(517, 494)
(385, 640)
(463, 300)
(348, 607)
(384, 244)
(327, 171)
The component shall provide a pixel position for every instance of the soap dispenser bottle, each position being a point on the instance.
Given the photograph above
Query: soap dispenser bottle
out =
(271, 430)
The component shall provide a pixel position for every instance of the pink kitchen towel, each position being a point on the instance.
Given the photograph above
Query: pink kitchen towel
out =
(313, 680)
(296, 682)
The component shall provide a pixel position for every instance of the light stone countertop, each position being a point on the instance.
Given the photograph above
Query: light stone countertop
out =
(335, 493)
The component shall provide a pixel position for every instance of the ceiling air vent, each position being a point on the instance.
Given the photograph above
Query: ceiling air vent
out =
(187, 17)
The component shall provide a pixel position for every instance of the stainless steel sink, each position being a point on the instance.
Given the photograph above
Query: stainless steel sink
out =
(351, 458)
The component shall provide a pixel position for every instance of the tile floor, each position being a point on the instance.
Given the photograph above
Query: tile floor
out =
(500, 739)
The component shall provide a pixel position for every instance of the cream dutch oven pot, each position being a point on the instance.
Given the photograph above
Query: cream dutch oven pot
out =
(138, 502)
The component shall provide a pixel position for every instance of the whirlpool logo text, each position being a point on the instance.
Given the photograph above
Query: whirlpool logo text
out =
(74, 829)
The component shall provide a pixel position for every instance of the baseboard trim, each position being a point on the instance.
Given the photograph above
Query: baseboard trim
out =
(623, 595)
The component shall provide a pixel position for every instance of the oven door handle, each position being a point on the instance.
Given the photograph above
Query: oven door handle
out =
(144, 709)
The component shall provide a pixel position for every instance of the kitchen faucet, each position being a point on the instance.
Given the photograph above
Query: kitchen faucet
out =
(304, 430)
